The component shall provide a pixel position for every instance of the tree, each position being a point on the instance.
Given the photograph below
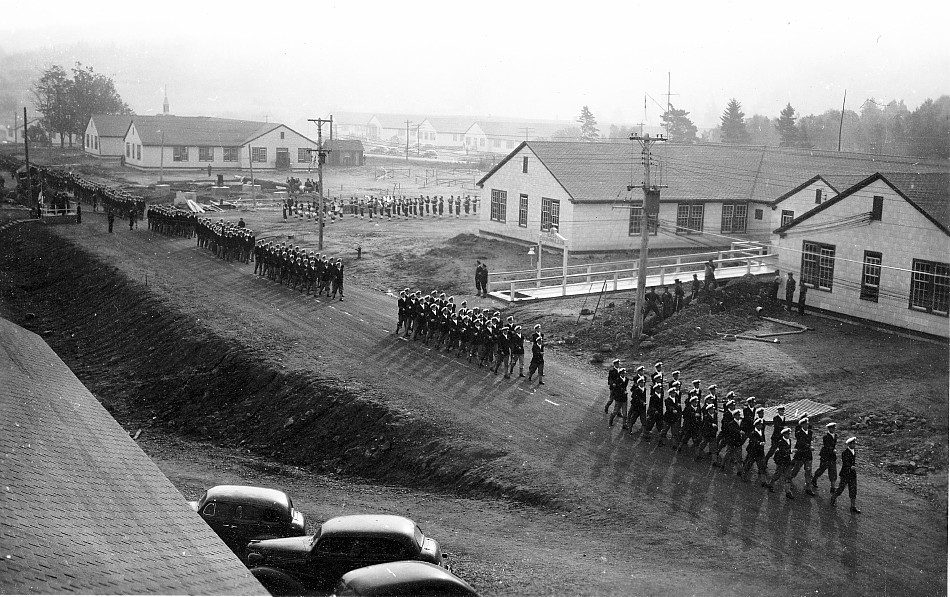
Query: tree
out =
(92, 93)
(801, 136)
(761, 131)
(928, 129)
(67, 103)
(36, 134)
(621, 132)
(589, 131)
(571, 133)
(785, 125)
(733, 124)
(51, 99)
(680, 128)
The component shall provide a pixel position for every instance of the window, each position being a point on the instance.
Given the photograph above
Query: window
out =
(817, 196)
(206, 154)
(231, 154)
(734, 217)
(818, 265)
(259, 154)
(96, 139)
(303, 155)
(930, 287)
(281, 134)
(523, 211)
(499, 204)
(877, 208)
(510, 145)
(689, 218)
(481, 142)
(758, 214)
(209, 509)
(138, 152)
(179, 153)
(636, 217)
(871, 276)
(524, 164)
(550, 214)
(128, 150)
(496, 142)
(787, 216)
(88, 142)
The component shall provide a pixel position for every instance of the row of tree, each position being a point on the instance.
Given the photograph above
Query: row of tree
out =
(880, 128)
(66, 101)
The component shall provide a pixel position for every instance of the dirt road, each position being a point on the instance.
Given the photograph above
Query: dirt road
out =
(631, 518)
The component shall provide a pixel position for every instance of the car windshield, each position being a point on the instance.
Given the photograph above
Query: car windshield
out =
(419, 537)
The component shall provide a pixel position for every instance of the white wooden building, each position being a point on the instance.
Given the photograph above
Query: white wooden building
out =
(879, 251)
(105, 135)
(197, 142)
(713, 195)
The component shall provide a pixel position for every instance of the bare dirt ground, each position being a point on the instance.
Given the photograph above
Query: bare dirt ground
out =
(232, 378)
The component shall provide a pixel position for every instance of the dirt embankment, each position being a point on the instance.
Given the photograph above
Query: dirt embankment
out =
(151, 365)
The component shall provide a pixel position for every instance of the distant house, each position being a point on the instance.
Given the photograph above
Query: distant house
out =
(345, 152)
(196, 142)
(105, 135)
(501, 136)
(712, 195)
(450, 130)
(387, 127)
(351, 124)
(879, 251)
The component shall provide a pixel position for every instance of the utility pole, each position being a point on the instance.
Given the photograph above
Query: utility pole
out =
(669, 105)
(26, 150)
(646, 142)
(408, 122)
(526, 130)
(321, 157)
(418, 126)
(841, 124)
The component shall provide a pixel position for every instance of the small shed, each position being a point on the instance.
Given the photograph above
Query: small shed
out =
(345, 152)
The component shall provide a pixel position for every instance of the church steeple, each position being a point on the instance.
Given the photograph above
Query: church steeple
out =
(165, 103)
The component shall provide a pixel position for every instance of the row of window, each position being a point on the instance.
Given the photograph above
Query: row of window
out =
(495, 143)
(92, 141)
(550, 210)
(691, 216)
(133, 151)
(929, 282)
(181, 153)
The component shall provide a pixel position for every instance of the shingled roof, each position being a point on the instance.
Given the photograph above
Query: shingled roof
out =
(111, 125)
(199, 130)
(83, 509)
(600, 172)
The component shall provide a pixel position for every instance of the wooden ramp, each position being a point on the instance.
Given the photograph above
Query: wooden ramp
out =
(799, 408)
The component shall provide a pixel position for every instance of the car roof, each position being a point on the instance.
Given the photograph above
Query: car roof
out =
(396, 578)
(369, 524)
(260, 496)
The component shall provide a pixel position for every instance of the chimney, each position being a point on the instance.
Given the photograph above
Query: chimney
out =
(165, 103)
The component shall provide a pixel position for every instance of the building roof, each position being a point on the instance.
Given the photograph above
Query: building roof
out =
(351, 118)
(805, 185)
(112, 125)
(601, 172)
(83, 508)
(199, 130)
(451, 124)
(344, 145)
(398, 121)
(515, 130)
(929, 193)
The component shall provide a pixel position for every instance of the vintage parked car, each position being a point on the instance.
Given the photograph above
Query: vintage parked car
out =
(241, 513)
(344, 543)
(409, 579)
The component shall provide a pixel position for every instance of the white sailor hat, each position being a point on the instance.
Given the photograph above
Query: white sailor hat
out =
(786, 430)
(640, 368)
(850, 440)
(730, 394)
(831, 424)
(675, 373)
(537, 326)
(658, 364)
(713, 386)
(750, 399)
(616, 361)
(697, 381)
(803, 419)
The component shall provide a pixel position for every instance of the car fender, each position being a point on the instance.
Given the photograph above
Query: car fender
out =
(278, 582)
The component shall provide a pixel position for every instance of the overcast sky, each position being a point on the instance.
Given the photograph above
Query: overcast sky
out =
(290, 61)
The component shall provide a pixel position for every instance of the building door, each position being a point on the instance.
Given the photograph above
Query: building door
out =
(283, 158)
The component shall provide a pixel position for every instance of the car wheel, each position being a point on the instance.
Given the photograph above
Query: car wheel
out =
(277, 582)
